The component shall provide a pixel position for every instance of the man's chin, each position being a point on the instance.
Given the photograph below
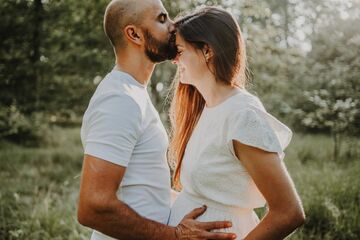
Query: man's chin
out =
(172, 53)
(172, 49)
(158, 58)
(163, 50)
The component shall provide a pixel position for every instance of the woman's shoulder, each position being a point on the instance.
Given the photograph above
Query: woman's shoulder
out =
(236, 106)
(245, 100)
(256, 124)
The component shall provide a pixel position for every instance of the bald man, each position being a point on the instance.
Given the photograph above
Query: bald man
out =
(125, 184)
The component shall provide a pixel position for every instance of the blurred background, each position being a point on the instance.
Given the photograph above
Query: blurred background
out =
(304, 64)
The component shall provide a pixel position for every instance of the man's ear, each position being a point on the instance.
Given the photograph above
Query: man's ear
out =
(133, 34)
(208, 52)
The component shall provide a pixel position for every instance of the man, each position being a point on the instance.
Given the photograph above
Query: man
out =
(125, 185)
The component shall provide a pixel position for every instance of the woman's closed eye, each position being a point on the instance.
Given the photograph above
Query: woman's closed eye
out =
(179, 52)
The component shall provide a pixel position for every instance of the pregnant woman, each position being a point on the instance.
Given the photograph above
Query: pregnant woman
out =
(228, 148)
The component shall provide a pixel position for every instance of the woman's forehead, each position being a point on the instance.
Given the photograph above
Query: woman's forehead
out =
(179, 40)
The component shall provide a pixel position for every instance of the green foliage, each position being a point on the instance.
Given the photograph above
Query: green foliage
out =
(31, 130)
(50, 54)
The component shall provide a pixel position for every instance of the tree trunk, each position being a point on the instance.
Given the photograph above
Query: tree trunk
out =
(36, 52)
(337, 143)
(286, 24)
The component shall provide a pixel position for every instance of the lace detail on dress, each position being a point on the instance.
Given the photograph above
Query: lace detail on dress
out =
(255, 127)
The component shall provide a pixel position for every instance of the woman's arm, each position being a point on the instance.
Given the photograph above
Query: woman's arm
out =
(272, 179)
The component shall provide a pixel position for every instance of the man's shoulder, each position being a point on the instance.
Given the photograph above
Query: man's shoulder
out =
(119, 92)
(114, 100)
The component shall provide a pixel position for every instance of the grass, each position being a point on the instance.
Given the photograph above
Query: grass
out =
(39, 188)
(330, 190)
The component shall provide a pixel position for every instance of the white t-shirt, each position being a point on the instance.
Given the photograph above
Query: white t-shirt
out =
(122, 126)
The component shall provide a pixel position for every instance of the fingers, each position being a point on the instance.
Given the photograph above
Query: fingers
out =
(196, 212)
(217, 235)
(215, 225)
(201, 230)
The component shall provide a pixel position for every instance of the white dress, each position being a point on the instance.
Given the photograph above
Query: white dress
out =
(212, 175)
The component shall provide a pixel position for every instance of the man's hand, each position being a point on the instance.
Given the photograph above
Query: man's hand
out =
(190, 229)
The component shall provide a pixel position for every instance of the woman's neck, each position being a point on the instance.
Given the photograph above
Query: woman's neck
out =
(214, 92)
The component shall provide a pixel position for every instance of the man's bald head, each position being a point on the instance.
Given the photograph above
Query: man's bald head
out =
(142, 22)
(119, 14)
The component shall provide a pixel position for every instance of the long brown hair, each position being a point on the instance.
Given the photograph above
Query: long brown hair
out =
(216, 28)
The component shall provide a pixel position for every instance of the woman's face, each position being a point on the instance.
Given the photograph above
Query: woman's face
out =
(191, 62)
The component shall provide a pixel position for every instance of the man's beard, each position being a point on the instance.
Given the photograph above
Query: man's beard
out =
(158, 51)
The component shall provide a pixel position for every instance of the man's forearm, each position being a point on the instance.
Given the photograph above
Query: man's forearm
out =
(118, 220)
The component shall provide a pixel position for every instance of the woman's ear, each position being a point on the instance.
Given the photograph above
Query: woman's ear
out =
(133, 34)
(208, 53)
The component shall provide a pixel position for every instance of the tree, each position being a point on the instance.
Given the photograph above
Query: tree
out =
(331, 86)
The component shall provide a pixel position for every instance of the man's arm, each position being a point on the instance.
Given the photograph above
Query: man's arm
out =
(100, 209)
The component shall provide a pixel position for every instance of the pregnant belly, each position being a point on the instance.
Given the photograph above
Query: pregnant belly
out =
(243, 220)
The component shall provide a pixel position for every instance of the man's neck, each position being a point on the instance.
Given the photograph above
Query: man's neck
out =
(140, 68)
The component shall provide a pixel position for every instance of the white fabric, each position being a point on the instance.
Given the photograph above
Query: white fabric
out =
(121, 126)
(211, 173)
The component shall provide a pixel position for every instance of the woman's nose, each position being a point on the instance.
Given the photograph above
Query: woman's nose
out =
(175, 60)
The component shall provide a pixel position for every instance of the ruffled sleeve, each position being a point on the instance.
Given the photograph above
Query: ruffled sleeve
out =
(255, 127)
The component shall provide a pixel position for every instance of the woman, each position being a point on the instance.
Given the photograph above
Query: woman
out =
(228, 149)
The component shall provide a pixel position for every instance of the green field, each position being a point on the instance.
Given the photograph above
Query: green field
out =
(39, 188)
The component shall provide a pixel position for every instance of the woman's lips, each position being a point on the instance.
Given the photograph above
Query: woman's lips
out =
(181, 71)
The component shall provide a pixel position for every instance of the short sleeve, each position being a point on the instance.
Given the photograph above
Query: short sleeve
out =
(257, 128)
(113, 128)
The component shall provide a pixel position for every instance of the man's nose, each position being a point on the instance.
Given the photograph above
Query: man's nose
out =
(172, 27)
